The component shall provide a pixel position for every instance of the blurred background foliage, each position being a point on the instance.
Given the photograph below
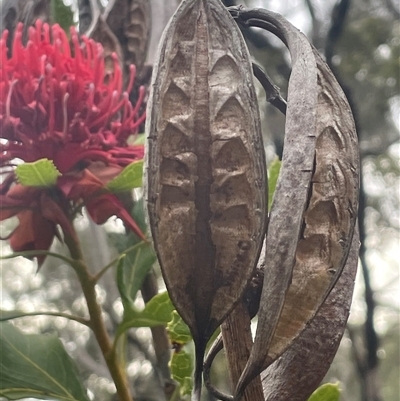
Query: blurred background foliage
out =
(360, 40)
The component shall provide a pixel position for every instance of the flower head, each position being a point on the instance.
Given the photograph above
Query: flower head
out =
(57, 102)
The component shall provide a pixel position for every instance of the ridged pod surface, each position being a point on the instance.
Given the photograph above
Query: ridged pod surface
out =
(130, 22)
(137, 32)
(206, 178)
(330, 215)
(315, 205)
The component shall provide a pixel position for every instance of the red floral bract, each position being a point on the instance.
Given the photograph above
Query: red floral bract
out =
(58, 103)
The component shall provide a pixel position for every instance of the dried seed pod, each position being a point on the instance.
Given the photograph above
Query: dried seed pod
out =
(205, 167)
(315, 204)
(130, 21)
(137, 31)
(300, 369)
(330, 215)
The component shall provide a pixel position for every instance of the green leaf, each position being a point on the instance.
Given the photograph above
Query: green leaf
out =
(37, 366)
(140, 139)
(326, 392)
(41, 173)
(62, 14)
(137, 265)
(157, 312)
(127, 301)
(178, 331)
(132, 269)
(273, 173)
(130, 177)
(137, 262)
(181, 365)
(159, 308)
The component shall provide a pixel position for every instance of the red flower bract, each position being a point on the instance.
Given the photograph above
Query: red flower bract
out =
(59, 103)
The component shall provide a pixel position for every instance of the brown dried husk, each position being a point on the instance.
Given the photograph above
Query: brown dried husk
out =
(130, 20)
(315, 205)
(206, 175)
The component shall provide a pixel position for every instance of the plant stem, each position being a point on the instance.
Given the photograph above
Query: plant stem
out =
(88, 283)
(237, 337)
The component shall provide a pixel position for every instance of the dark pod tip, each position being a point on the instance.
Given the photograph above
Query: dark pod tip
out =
(198, 372)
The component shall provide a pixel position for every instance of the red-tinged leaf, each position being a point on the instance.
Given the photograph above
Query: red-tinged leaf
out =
(9, 207)
(80, 186)
(100, 203)
(105, 173)
(33, 232)
(53, 212)
(103, 207)
(17, 198)
(6, 184)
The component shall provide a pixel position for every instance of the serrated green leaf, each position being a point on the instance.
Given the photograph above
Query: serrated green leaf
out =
(130, 177)
(326, 392)
(159, 308)
(178, 331)
(157, 312)
(181, 365)
(273, 173)
(41, 173)
(37, 366)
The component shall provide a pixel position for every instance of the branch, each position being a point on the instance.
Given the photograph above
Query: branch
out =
(368, 384)
(236, 333)
(215, 348)
(316, 24)
(272, 91)
(100, 274)
(378, 150)
(97, 323)
(339, 14)
(392, 9)
(35, 253)
(78, 319)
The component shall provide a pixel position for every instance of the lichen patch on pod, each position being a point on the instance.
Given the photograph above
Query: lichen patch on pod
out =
(206, 174)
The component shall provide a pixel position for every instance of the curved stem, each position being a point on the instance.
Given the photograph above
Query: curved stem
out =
(78, 319)
(35, 253)
(88, 283)
(98, 276)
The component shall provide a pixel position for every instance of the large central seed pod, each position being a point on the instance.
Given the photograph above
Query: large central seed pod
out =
(206, 178)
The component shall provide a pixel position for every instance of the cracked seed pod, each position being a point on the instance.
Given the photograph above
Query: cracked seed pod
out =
(315, 205)
(300, 369)
(206, 175)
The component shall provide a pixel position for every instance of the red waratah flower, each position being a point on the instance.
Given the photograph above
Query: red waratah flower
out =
(58, 103)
